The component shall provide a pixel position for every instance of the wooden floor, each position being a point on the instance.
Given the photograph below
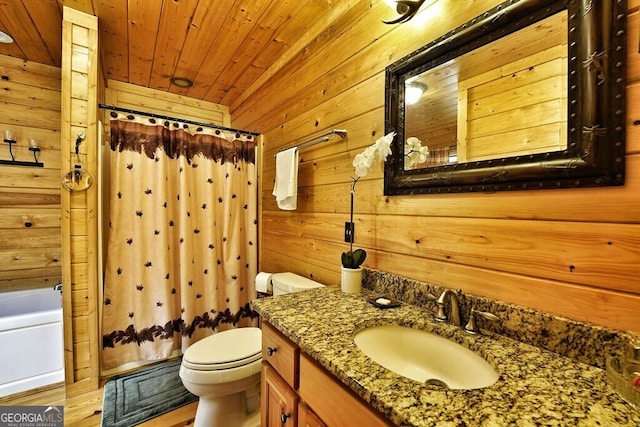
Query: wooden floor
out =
(86, 410)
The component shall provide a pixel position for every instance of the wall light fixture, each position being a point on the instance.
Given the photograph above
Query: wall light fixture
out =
(33, 147)
(181, 82)
(413, 92)
(407, 9)
(5, 38)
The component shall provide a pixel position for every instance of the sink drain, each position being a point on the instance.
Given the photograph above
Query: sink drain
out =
(436, 382)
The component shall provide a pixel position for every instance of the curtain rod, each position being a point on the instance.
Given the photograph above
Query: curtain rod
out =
(191, 122)
(317, 139)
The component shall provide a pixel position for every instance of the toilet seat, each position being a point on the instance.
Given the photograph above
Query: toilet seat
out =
(230, 349)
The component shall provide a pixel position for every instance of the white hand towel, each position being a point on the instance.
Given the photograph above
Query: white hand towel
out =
(286, 185)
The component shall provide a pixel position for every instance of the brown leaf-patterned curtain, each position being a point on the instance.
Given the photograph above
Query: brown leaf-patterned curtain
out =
(182, 253)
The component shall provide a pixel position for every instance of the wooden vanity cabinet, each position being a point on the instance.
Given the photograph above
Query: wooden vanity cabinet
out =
(332, 401)
(306, 417)
(279, 403)
(280, 369)
(297, 392)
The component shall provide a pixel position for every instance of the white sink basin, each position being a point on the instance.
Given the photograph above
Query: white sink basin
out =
(425, 357)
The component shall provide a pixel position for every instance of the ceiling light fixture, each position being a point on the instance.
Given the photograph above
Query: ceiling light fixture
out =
(413, 92)
(181, 81)
(406, 8)
(5, 38)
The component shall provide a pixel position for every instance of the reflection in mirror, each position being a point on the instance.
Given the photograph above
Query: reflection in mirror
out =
(529, 95)
(506, 98)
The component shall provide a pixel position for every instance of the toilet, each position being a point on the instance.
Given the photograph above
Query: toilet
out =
(223, 370)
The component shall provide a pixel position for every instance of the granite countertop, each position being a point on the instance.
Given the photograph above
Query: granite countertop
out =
(535, 386)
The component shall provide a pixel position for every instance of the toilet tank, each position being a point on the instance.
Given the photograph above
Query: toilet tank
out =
(286, 283)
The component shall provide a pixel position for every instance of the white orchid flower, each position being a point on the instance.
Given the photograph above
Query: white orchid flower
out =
(415, 152)
(378, 151)
(362, 163)
(383, 145)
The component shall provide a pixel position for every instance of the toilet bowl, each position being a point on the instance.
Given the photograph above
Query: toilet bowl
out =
(223, 370)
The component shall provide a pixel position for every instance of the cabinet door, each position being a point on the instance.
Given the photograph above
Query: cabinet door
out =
(334, 403)
(306, 418)
(279, 402)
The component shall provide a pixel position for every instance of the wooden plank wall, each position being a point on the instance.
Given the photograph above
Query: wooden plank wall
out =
(125, 95)
(30, 196)
(572, 252)
(79, 214)
(532, 115)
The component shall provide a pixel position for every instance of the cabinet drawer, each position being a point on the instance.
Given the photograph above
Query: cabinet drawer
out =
(281, 354)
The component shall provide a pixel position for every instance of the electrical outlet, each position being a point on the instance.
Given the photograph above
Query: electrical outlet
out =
(349, 232)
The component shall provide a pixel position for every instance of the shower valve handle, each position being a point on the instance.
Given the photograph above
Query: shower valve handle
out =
(270, 351)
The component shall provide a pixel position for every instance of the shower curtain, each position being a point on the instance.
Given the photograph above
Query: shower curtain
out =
(182, 253)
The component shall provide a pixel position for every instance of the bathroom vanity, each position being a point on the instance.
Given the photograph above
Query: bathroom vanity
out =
(315, 375)
(298, 392)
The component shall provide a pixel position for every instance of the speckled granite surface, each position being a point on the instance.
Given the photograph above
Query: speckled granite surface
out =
(580, 341)
(535, 386)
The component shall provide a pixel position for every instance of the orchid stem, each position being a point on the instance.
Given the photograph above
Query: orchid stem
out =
(351, 226)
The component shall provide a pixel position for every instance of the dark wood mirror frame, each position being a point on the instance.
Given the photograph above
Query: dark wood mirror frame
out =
(595, 154)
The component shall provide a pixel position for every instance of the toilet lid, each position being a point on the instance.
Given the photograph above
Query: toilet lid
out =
(225, 350)
(286, 283)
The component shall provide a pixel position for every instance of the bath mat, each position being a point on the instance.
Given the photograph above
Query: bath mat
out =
(136, 397)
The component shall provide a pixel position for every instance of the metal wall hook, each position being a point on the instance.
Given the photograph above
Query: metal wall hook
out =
(79, 139)
(77, 179)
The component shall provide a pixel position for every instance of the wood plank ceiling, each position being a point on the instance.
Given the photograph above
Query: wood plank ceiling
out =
(223, 46)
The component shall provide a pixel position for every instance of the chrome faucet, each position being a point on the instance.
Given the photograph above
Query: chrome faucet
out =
(454, 316)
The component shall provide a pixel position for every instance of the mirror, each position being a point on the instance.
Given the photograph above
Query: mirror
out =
(529, 95)
(503, 99)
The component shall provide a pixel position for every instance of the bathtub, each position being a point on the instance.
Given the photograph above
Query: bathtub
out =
(31, 341)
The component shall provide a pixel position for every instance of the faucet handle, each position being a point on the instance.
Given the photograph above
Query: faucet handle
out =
(472, 325)
(632, 353)
(441, 316)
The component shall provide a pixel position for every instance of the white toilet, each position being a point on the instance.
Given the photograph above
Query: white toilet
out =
(223, 370)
